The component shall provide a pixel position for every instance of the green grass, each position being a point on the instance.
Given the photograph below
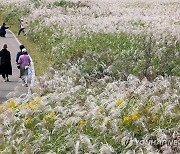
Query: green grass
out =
(64, 3)
(131, 54)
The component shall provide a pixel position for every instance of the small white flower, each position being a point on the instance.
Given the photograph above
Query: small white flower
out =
(106, 149)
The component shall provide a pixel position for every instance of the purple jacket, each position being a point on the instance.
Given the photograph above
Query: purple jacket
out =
(24, 60)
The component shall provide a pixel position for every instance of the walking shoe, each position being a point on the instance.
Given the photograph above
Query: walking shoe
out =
(23, 80)
(7, 80)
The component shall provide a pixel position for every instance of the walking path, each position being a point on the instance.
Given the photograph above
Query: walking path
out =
(15, 87)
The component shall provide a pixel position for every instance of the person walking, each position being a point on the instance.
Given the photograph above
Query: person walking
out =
(5, 63)
(25, 62)
(21, 47)
(3, 30)
(22, 27)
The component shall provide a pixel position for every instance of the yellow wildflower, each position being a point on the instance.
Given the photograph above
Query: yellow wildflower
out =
(135, 116)
(34, 107)
(82, 123)
(11, 104)
(31, 103)
(46, 118)
(127, 119)
(154, 118)
(49, 117)
(131, 117)
(38, 99)
(100, 111)
(52, 114)
(23, 106)
(29, 121)
(119, 102)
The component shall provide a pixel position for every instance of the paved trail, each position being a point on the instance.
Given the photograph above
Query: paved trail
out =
(14, 88)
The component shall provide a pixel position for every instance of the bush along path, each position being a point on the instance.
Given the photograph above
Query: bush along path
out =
(15, 87)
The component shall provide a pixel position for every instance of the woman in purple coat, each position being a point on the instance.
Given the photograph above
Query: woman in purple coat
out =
(5, 63)
(25, 62)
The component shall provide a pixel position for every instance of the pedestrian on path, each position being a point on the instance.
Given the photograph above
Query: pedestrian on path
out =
(3, 30)
(5, 63)
(21, 47)
(22, 27)
(25, 62)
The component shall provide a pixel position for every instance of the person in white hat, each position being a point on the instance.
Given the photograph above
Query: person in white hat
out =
(25, 62)
(22, 27)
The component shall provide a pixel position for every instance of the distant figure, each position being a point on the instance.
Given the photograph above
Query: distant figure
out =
(3, 30)
(21, 47)
(22, 27)
(5, 63)
(24, 61)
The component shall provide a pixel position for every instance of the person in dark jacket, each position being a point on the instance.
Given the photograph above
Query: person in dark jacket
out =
(21, 47)
(3, 30)
(5, 66)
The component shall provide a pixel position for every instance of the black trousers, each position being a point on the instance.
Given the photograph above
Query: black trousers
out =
(5, 75)
(21, 30)
(2, 33)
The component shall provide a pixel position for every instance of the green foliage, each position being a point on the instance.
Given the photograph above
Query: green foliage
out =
(63, 3)
(138, 23)
(98, 50)
(123, 54)
(44, 35)
(12, 14)
(37, 3)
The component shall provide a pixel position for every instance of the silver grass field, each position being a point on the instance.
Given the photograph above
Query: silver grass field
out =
(113, 86)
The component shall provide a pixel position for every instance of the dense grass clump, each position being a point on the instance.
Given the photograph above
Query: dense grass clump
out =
(63, 3)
